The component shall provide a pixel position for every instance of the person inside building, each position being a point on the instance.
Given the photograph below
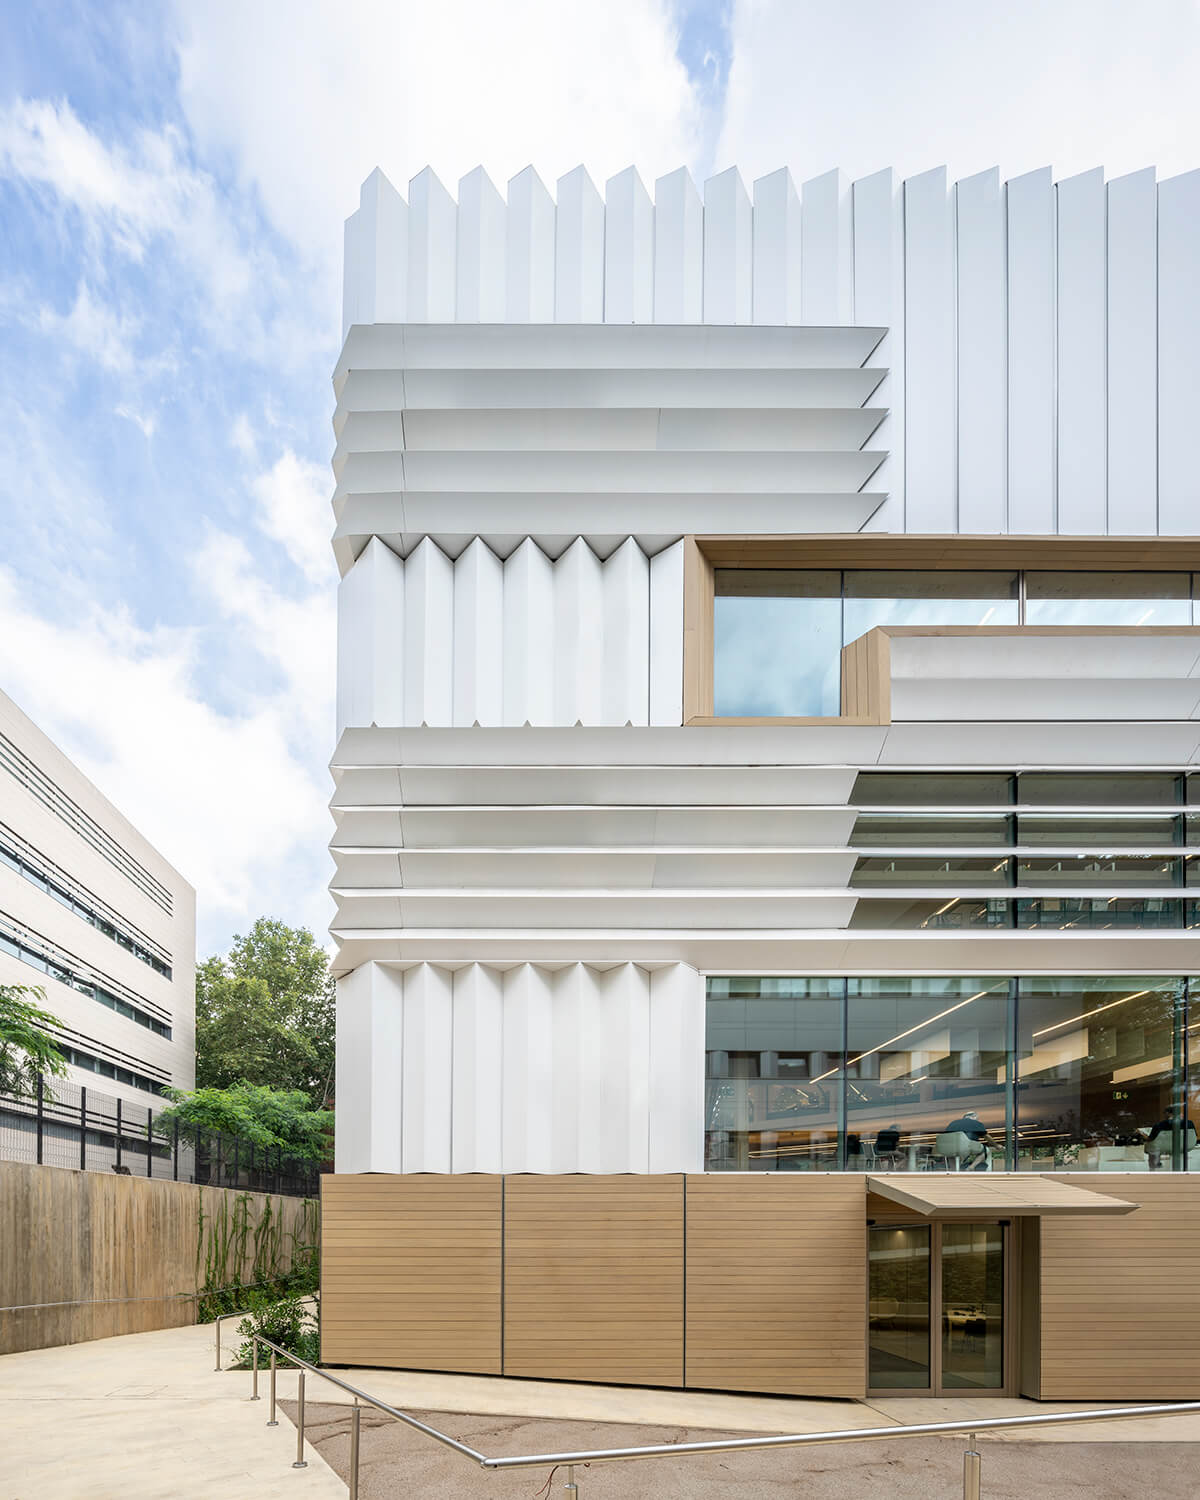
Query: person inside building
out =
(1164, 1135)
(975, 1130)
(887, 1142)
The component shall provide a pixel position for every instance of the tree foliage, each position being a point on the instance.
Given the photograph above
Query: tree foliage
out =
(263, 1116)
(26, 1047)
(265, 1013)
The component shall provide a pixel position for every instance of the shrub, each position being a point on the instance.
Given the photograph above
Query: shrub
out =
(290, 1322)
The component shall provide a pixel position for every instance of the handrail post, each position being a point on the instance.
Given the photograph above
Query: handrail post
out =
(273, 1421)
(217, 1326)
(300, 1463)
(254, 1367)
(355, 1433)
(571, 1489)
(972, 1464)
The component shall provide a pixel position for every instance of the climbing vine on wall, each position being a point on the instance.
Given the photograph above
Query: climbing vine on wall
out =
(250, 1250)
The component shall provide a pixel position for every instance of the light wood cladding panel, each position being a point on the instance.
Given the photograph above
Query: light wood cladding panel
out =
(882, 550)
(411, 1271)
(593, 1278)
(698, 632)
(1120, 1297)
(776, 1283)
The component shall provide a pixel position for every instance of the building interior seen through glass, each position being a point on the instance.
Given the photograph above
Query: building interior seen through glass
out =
(1043, 1073)
(1026, 850)
(778, 633)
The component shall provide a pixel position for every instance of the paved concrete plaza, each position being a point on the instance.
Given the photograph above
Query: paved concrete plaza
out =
(145, 1417)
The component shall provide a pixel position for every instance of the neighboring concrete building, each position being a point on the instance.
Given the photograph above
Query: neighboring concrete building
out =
(769, 719)
(96, 916)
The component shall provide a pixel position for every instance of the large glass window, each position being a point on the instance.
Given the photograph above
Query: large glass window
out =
(924, 1056)
(892, 597)
(911, 869)
(936, 830)
(945, 1073)
(1108, 599)
(1098, 1061)
(778, 641)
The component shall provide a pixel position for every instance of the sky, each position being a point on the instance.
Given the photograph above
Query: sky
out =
(173, 182)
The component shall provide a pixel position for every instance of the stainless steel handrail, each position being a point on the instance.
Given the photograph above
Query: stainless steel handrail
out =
(569, 1460)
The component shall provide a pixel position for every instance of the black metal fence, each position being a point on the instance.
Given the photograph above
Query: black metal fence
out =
(68, 1125)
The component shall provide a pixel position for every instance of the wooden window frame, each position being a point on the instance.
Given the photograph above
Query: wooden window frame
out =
(866, 662)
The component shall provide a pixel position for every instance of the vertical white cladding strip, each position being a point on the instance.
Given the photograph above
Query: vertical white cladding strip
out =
(879, 301)
(573, 994)
(728, 261)
(528, 1069)
(477, 1092)
(579, 250)
(528, 636)
(482, 226)
(529, 268)
(1031, 415)
(1132, 355)
(930, 450)
(678, 249)
(982, 354)
(428, 635)
(432, 227)
(628, 250)
(827, 256)
(426, 1068)
(370, 1049)
(615, 1133)
(370, 683)
(676, 1076)
(626, 634)
(1081, 354)
(666, 635)
(777, 233)
(578, 636)
(375, 270)
(478, 636)
(1178, 343)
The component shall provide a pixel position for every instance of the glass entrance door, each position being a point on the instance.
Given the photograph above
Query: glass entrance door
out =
(946, 1280)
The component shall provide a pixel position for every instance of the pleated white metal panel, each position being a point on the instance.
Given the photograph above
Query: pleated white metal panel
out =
(520, 1068)
(482, 232)
(930, 485)
(826, 259)
(578, 250)
(1031, 341)
(370, 656)
(776, 279)
(1082, 371)
(1178, 342)
(529, 270)
(678, 249)
(628, 250)
(432, 253)
(982, 355)
(1132, 355)
(728, 267)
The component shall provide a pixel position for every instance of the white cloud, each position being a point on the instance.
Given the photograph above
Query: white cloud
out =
(95, 329)
(1074, 84)
(307, 97)
(146, 421)
(227, 798)
(293, 502)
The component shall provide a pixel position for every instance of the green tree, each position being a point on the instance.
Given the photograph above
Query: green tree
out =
(26, 1047)
(265, 1013)
(264, 1116)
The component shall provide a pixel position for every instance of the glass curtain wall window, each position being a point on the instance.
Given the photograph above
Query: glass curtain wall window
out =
(1038, 1073)
(778, 633)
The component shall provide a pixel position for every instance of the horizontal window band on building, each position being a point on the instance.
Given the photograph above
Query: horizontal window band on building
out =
(41, 871)
(782, 627)
(90, 1063)
(17, 763)
(1062, 913)
(95, 1056)
(1052, 870)
(1072, 793)
(55, 962)
(1033, 1073)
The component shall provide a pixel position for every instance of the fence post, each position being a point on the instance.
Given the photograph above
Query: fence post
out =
(83, 1128)
(215, 1176)
(175, 1153)
(149, 1142)
(41, 1090)
(196, 1164)
(301, 1462)
(118, 1132)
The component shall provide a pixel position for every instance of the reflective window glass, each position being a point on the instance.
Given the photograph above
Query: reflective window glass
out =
(1099, 912)
(895, 597)
(1100, 869)
(1098, 788)
(899, 830)
(777, 644)
(773, 1085)
(1098, 830)
(907, 869)
(926, 1070)
(898, 1307)
(1095, 1074)
(933, 912)
(931, 789)
(1108, 599)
